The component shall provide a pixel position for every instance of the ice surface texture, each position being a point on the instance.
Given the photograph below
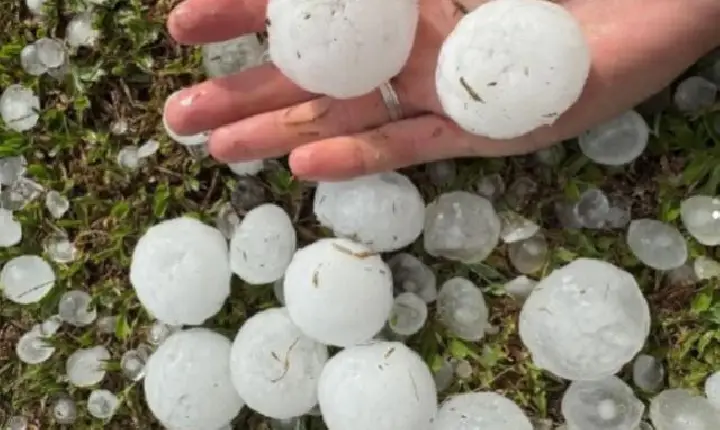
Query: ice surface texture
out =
(585, 320)
(481, 410)
(338, 292)
(657, 244)
(380, 386)
(180, 271)
(263, 245)
(616, 142)
(19, 108)
(605, 404)
(234, 55)
(383, 211)
(274, 367)
(343, 48)
(462, 308)
(701, 216)
(678, 409)
(188, 384)
(26, 279)
(511, 66)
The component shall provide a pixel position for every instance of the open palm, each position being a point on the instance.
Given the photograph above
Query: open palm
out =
(637, 47)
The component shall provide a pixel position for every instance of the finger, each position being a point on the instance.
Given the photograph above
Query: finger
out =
(195, 22)
(219, 101)
(391, 146)
(273, 134)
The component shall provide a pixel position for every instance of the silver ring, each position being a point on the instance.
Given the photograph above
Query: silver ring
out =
(391, 100)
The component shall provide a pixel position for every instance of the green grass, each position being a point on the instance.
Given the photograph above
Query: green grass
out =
(129, 77)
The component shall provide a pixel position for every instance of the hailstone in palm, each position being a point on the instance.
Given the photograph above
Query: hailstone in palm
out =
(511, 66)
(384, 211)
(481, 410)
(188, 384)
(263, 245)
(343, 48)
(585, 320)
(379, 386)
(338, 292)
(275, 368)
(180, 271)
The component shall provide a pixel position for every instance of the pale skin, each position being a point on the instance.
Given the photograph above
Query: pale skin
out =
(638, 47)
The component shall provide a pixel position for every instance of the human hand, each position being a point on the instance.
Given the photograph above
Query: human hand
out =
(637, 47)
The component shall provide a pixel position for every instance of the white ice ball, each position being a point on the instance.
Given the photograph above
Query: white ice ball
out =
(481, 410)
(187, 381)
(263, 245)
(343, 48)
(338, 292)
(180, 271)
(275, 368)
(379, 386)
(511, 66)
(384, 211)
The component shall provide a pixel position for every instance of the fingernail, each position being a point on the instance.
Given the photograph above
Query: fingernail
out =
(300, 163)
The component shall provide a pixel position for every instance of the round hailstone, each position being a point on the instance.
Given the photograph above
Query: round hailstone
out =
(10, 229)
(442, 173)
(180, 271)
(132, 364)
(26, 279)
(81, 32)
(411, 275)
(679, 409)
(706, 268)
(30, 62)
(263, 245)
(75, 307)
(85, 367)
(529, 255)
(657, 244)
(233, 56)
(159, 332)
(380, 386)
(50, 52)
(608, 403)
(648, 373)
(694, 94)
(408, 314)
(616, 142)
(585, 320)
(32, 349)
(338, 292)
(461, 226)
(712, 389)
(501, 75)
(192, 140)
(481, 410)
(593, 208)
(383, 211)
(701, 217)
(19, 107)
(461, 307)
(275, 368)
(247, 168)
(188, 384)
(64, 410)
(102, 404)
(344, 48)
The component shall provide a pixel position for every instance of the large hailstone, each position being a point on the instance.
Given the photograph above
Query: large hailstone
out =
(275, 368)
(338, 292)
(511, 66)
(605, 404)
(701, 216)
(188, 384)
(379, 386)
(383, 211)
(180, 271)
(343, 48)
(678, 409)
(263, 245)
(585, 320)
(481, 410)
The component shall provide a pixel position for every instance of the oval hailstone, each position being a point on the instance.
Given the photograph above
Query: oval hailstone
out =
(85, 367)
(608, 403)
(10, 229)
(678, 409)
(616, 142)
(657, 244)
(343, 48)
(411, 275)
(481, 410)
(701, 216)
(180, 271)
(188, 384)
(384, 211)
(26, 279)
(585, 320)
(263, 245)
(192, 140)
(275, 368)
(19, 108)
(501, 74)
(338, 292)
(380, 386)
